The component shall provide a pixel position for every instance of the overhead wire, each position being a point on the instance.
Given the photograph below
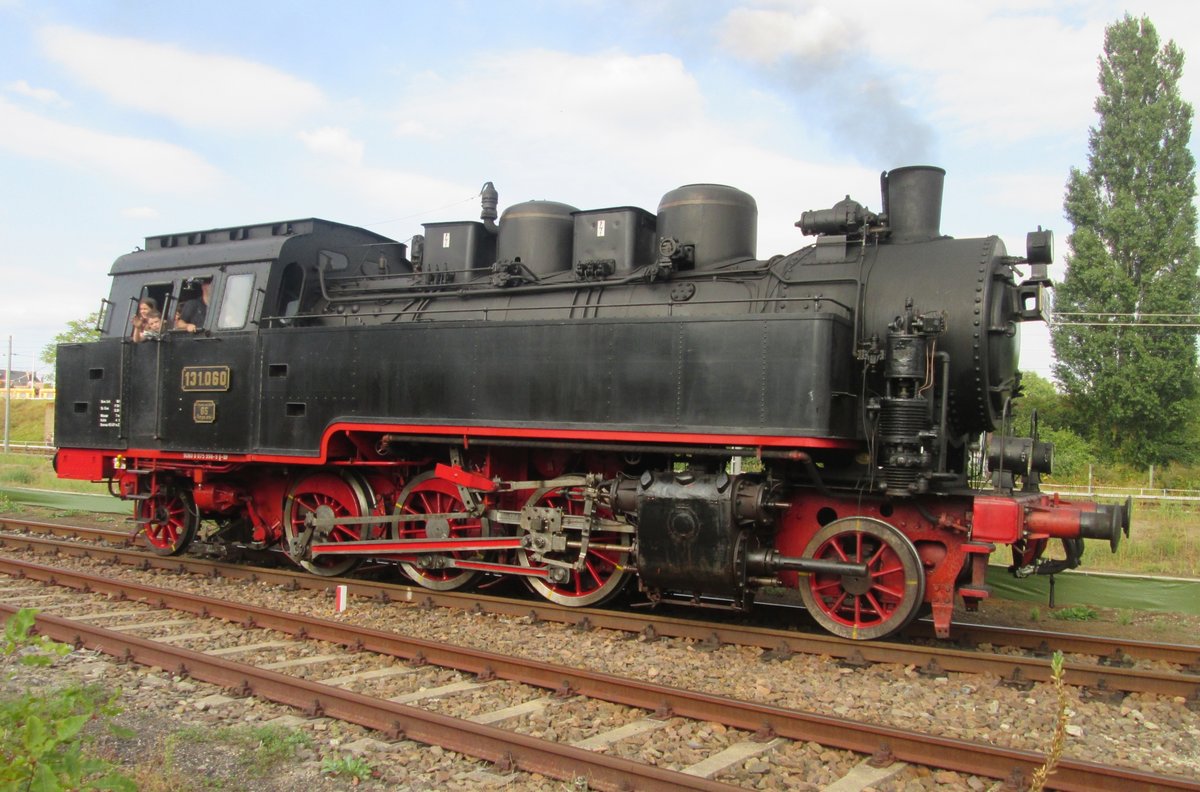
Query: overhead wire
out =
(1113, 319)
(428, 211)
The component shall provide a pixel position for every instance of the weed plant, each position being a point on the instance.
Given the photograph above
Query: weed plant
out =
(42, 738)
(1058, 740)
(1076, 613)
(352, 768)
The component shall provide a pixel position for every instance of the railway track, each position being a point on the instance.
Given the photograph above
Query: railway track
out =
(209, 618)
(1103, 667)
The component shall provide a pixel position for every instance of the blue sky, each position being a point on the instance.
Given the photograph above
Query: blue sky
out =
(120, 120)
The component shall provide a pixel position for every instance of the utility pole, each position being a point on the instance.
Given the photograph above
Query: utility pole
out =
(7, 393)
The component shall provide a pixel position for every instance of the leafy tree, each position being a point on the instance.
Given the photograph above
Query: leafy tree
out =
(1072, 454)
(1038, 393)
(77, 330)
(1133, 258)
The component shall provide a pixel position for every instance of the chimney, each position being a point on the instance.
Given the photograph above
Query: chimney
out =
(912, 200)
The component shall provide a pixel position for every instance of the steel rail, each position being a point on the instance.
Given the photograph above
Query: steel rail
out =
(967, 633)
(1045, 643)
(1102, 679)
(949, 753)
(396, 721)
(59, 529)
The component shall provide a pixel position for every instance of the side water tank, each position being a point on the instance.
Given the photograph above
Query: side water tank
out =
(720, 222)
(540, 234)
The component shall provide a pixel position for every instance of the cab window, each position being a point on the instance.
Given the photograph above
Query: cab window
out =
(158, 295)
(146, 311)
(291, 288)
(235, 302)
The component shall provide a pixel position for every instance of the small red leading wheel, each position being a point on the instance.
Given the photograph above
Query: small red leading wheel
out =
(439, 499)
(605, 565)
(874, 606)
(169, 520)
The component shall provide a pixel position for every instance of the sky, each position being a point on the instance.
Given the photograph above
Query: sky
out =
(122, 120)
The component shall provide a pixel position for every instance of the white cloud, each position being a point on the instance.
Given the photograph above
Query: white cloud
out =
(584, 129)
(46, 96)
(767, 35)
(1039, 193)
(413, 129)
(218, 92)
(992, 70)
(395, 202)
(150, 164)
(557, 96)
(595, 130)
(140, 212)
(334, 142)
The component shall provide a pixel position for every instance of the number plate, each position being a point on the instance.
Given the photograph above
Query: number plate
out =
(205, 378)
(204, 411)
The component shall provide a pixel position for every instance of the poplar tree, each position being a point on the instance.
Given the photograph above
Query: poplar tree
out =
(1132, 260)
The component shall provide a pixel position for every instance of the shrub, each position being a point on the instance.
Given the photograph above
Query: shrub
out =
(1072, 454)
(41, 736)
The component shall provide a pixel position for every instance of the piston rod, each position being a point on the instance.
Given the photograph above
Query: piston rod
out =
(772, 561)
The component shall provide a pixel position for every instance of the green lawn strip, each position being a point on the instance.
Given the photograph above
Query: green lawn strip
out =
(65, 501)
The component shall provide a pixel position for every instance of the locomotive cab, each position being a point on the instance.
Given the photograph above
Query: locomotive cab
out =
(192, 392)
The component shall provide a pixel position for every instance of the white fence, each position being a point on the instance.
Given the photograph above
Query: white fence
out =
(30, 448)
(1121, 493)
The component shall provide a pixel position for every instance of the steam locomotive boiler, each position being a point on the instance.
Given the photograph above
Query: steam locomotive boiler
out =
(564, 396)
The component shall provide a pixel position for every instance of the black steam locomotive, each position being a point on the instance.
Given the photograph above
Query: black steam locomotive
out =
(567, 396)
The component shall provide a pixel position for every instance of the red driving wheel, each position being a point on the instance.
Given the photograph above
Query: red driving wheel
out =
(437, 498)
(326, 495)
(605, 569)
(883, 601)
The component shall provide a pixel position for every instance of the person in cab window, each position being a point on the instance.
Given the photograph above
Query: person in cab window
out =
(192, 313)
(147, 322)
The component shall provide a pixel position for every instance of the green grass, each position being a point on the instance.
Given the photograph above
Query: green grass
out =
(32, 471)
(18, 476)
(248, 753)
(1165, 477)
(27, 420)
(1163, 540)
(259, 748)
